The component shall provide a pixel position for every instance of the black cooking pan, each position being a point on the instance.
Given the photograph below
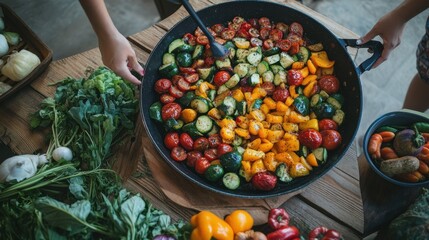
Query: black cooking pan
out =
(345, 70)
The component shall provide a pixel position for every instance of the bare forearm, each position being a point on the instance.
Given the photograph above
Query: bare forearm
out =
(99, 17)
(410, 8)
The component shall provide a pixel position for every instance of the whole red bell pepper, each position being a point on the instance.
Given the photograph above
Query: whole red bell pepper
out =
(278, 218)
(323, 233)
(286, 233)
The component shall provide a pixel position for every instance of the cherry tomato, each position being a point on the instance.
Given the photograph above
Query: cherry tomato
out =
(329, 83)
(294, 77)
(254, 41)
(187, 70)
(189, 38)
(202, 40)
(171, 140)
(192, 78)
(221, 77)
(201, 165)
(201, 144)
(296, 28)
(192, 158)
(268, 87)
(310, 138)
(218, 28)
(293, 38)
(294, 48)
(162, 85)
(246, 26)
(214, 140)
(253, 32)
(264, 22)
(331, 139)
(264, 32)
(276, 35)
(198, 32)
(284, 45)
(223, 148)
(282, 27)
(186, 141)
(268, 44)
(171, 110)
(264, 181)
(183, 85)
(209, 61)
(280, 94)
(242, 33)
(228, 34)
(178, 154)
(327, 124)
(254, 22)
(166, 98)
(211, 154)
(175, 92)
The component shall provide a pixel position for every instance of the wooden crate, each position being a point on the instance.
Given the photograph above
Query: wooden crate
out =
(31, 42)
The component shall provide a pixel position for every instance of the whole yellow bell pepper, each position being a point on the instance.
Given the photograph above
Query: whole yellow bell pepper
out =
(240, 221)
(207, 225)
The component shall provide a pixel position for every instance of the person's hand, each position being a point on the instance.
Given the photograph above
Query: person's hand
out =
(118, 55)
(390, 29)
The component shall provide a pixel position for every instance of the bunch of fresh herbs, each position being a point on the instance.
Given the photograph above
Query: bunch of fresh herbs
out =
(83, 198)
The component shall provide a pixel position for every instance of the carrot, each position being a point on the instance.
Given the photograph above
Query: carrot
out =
(387, 136)
(388, 153)
(409, 177)
(374, 145)
(426, 137)
(424, 154)
(423, 168)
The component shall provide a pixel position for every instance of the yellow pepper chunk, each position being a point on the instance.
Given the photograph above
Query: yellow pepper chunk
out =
(245, 171)
(275, 135)
(309, 78)
(242, 122)
(254, 127)
(274, 119)
(310, 124)
(290, 127)
(227, 134)
(311, 67)
(244, 133)
(292, 142)
(284, 157)
(265, 146)
(321, 59)
(258, 166)
(292, 91)
(188, 115)
(271, 104)
(207, 225)
(238, 95)
(228, 123)
(270, 161)
(254, 144)
(258, 115)
(215, 114)
(295, 117)
(304, 72)
(298, 170)
(310, 89)
(281, 107)
(264, 108)
(252, 155)
(311, 159)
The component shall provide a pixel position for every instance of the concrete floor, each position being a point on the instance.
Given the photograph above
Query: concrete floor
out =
(63, 26)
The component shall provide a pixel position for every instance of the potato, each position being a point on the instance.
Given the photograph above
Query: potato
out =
(400, 165)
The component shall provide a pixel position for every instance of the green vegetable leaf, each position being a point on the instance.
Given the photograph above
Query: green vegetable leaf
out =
(76, 188)
(71, 218)
(131, 209)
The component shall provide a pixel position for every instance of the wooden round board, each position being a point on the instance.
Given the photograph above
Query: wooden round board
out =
(195, 197)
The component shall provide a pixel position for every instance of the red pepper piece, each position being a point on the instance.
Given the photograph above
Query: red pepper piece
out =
(278, 218)
(323, 233)
(286, 233)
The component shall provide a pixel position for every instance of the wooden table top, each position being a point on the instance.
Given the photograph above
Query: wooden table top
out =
(334, 201)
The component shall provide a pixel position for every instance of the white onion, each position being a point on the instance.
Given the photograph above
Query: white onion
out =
(64, 153)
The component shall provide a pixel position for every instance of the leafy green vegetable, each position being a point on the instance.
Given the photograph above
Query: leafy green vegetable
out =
(83, 198)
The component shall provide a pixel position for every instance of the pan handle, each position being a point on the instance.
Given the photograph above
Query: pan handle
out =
(373, 46)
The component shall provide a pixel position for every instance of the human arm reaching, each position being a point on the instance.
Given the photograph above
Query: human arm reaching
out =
(116, 51)
(391, 26)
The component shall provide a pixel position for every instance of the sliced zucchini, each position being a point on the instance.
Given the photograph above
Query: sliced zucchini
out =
(211, 94)
(231, 180)
(241, 54)
(168, 58)
(191, 129)
(175, 44)
(222, 89)
(204, 124)
(268, 76)
(256, 49)
(186, 99)
(201, 105)
(334, 102)
(198, 52)
(241, 69)
(271, 51)
(237, 140)
(280, 78)
(169, 70)
(303, 54)
(321, 154)
(286, 60)
(254, 79)
(324, 94)
(315, 99)
(228, 106)
(232, 81)
(223, 63)
(282, 173)
(215, 130)
(206, 73)
(303, 151)
(184, 59)
(263, 67)
(254, 58)
(173, 124)
(241, 108)
(252, 70)
(338, 116)
(276, 68)
(272, 59)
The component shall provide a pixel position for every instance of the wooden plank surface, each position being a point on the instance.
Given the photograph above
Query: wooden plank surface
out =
(333, 201)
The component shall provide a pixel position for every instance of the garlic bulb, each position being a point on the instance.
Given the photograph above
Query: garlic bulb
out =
(20, 64)
(20, 167)
(4, 46)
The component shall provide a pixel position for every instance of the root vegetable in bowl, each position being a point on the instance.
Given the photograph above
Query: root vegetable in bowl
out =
(396, 146)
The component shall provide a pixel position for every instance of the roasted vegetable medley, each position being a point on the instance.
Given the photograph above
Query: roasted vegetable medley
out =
(270, 111)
